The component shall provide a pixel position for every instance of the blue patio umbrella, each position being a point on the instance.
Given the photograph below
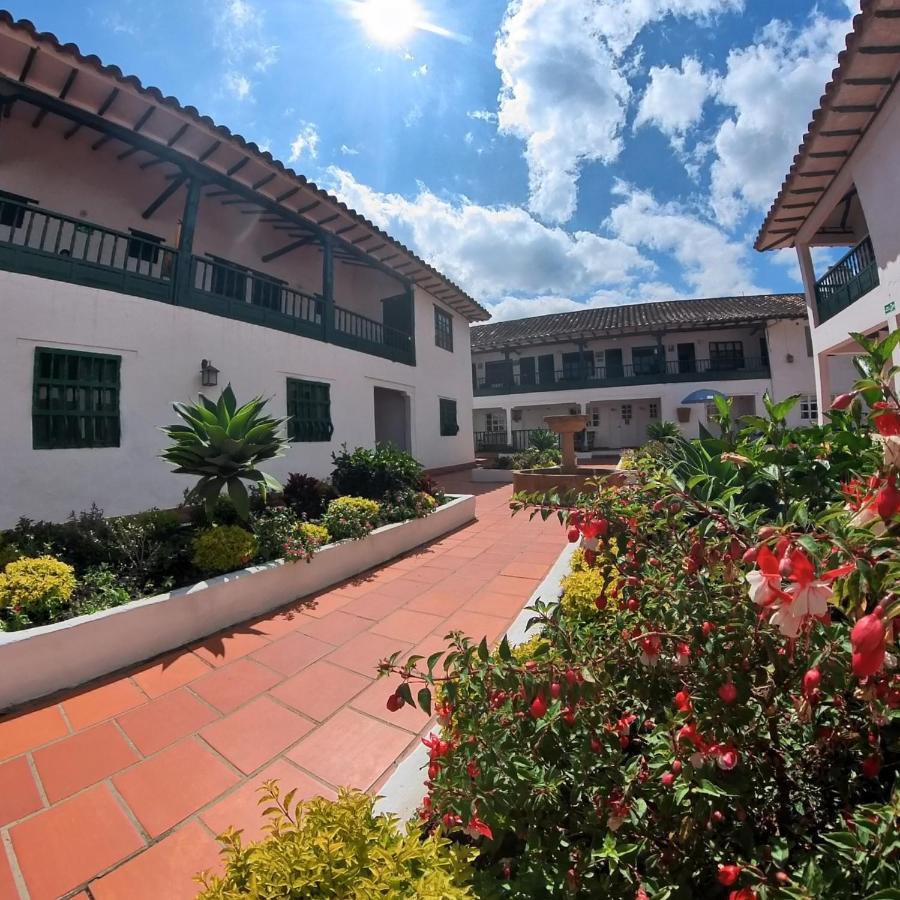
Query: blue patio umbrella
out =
(704, 395)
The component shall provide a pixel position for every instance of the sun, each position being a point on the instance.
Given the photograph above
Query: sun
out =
(390, 22)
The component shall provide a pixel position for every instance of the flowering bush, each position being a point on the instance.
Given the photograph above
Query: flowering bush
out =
(342, 850)
(729, 726)
(33, 591)
(273, 529)
(304, 540)
(351, 517)
(223, 548)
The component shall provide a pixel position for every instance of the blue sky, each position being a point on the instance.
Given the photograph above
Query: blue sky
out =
(543, 153)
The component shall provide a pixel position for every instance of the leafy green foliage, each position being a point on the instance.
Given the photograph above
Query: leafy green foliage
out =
(223, 445)
(351, 517)
(374, 473)
(98, 589)
(223, 548)
(663, 431)
(273, 528)
(535, 458)
(543, 439)
(337, 849)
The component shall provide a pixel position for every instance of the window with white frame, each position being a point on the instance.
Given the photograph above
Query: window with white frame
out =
(594, 418)
(809, 408)
(626, 413)
(653, 409)
(494, 423)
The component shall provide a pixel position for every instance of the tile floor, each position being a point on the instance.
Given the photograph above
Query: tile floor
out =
(118, 789)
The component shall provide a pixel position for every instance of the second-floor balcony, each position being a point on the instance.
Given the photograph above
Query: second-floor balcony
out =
(722, 369)
(847, 280)
(36, 241)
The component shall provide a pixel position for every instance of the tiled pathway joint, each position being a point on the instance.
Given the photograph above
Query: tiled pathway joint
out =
(122, 785)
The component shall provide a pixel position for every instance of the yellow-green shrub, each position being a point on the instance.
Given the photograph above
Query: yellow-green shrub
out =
(34, 589)
(223, 548)
(316, 535)
(580, 589)
(351, 517)
(306, 539)
(338, 849)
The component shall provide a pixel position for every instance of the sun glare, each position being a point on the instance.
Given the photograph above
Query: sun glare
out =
(390, 22)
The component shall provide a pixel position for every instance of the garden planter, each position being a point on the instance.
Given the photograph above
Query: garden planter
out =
(43, 660)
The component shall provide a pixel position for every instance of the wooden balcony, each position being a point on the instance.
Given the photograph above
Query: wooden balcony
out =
(36, 241)
(671, 371)
(846, 281)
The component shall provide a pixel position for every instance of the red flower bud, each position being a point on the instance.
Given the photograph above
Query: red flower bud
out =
(538, 707)
(707, 628)
(728, 692)
(867, 642)
(887, 500)
(729, 874)
(811, 681)
(394, 702)
(600, 602)
(573, 534)
(633, 604)
(842, 401)
(596, 746)
(555, 690)
(676, 767)
(871, 766)
(667, 779)
(568, 715)
(750, 555)
(571, 677)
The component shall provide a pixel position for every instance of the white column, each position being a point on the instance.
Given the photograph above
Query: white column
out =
(507, 413)
(823, 383)
(808, 274)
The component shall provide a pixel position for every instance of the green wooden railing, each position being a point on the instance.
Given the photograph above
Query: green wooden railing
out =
(852, 277)
(36, 241)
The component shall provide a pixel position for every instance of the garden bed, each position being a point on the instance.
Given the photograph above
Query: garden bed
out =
(42, 660)
(492, 476)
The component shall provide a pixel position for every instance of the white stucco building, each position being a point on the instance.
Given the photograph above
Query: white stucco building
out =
(137, 240)
(843, 190)
(628, 366)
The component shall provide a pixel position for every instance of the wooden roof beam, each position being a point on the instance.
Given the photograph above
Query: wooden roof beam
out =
(161, 199)
(263, 181)
(288, 249)
(29, 62)
(67, 86)
(172, 141)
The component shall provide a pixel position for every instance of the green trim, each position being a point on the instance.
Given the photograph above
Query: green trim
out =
(75, 399)
(309, 411)
(449, 423)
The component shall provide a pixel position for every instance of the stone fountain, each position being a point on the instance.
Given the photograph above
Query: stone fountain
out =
(569, 477)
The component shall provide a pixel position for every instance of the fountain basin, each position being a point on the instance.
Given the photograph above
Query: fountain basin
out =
(557, 480)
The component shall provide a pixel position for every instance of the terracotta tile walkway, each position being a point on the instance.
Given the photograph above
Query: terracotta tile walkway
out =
(118, 789)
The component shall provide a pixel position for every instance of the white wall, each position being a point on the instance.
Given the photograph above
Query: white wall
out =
(161, 347)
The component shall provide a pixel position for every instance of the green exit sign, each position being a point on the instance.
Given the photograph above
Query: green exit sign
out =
(890, 307)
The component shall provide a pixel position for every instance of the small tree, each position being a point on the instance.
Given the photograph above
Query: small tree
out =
(223, 445)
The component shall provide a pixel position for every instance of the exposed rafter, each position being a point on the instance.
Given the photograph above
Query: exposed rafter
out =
(29, 62)
(161, 199)
(288, 249)
(144, 119)
(264, 181)
(172, 141)
(67, 86)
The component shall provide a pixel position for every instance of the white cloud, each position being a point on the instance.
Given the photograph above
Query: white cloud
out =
(711, 263)
(306, 143)
(469, 138)
(421, 72)
(496, 252)
(239, 33)
(772, 87)
(521, 307)
(349, 151)
(482, 115)
(674, 98)
(564, 88)
(237, 85)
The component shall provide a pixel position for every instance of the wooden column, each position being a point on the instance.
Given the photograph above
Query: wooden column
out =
(327, 287)
(183, 267)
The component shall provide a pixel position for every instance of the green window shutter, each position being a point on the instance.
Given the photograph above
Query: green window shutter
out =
(443, 329)
(75, 400)
(449, 425)
(309, 411)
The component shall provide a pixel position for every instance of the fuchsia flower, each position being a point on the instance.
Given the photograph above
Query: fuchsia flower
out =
(650, 647)
(887, 419)
(477, 827)
(867, 641)
(765, 581)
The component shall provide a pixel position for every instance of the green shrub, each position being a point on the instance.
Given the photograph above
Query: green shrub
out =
(98, 589)
(82, 541)
(532, 458)
(34, 590)
(374, 473)
(305, 540)
(403, 505)
(338, 849)
(663, 431)
(273, 529)
(223, 548)
(307, 496)
(580, 589)
(543, 439)
(351, 517)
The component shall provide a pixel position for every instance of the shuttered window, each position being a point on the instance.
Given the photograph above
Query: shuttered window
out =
(449, 425)
(443, 329)
(309, 411)
(75, 400)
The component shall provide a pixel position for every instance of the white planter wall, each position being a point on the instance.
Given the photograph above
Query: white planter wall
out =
(43, 660)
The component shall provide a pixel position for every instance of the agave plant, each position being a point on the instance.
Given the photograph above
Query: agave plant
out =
(543, 439)
(223, 445)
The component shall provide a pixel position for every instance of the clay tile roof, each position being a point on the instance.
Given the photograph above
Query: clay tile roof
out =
(866, 74)
(450, 293)
(671, 315)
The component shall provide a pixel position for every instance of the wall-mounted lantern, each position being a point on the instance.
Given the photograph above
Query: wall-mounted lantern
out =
(209, 374)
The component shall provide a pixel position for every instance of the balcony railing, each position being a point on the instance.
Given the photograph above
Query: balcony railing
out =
(519, 439)
(39, 242)
(36, 241)
(614, 376)
(850, 278)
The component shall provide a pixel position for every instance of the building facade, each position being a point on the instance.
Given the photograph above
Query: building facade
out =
(628, 366)
(843, 192)
(146, 252)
